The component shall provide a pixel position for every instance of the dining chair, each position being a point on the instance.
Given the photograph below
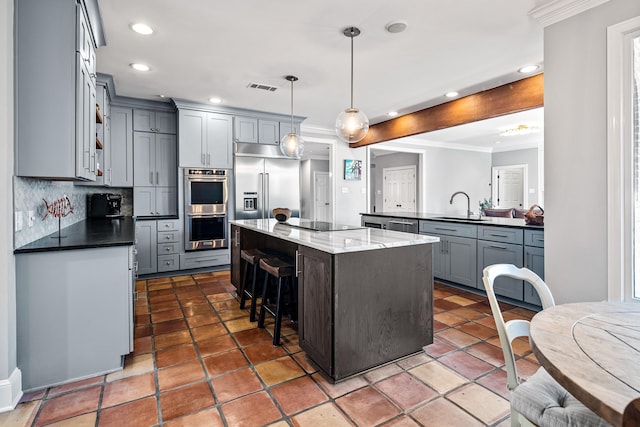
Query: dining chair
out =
(540, 400)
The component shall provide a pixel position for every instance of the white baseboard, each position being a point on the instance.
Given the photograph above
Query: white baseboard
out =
(11, 391)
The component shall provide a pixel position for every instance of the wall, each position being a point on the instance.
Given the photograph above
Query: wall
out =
(391, 161)
(29, 193)
(307, 195)
(521, 157)
(350, 196)
(10, 378)
(575, 157)
(472, 175)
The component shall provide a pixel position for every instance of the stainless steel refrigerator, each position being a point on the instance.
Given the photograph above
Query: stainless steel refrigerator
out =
(264, 180)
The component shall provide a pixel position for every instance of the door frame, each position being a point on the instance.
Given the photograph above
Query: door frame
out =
(525, 182)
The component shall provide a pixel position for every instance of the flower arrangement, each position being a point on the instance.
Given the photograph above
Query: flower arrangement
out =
(485, 204)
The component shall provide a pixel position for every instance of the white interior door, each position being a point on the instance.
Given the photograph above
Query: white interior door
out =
(399, 190)
(509, 186)
(322, 192)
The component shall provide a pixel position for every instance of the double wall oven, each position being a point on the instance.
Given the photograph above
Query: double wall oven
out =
(205, 209)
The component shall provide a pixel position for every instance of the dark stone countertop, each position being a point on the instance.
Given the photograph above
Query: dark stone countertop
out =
(501, 222)
(90, 233)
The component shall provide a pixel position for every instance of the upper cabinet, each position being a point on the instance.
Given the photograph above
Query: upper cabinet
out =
(154, 121)
(204, 140)
(262, 131)
(55, 122)
(119, 168)
(245, 129)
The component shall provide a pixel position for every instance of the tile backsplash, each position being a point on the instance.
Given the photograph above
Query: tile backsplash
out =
(28, 195)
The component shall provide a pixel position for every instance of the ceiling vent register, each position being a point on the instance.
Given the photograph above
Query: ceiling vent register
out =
(262, 86)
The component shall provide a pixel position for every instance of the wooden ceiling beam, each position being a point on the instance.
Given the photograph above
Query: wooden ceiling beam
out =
(521, 95)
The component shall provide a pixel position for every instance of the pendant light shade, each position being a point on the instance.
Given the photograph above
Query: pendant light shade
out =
(292, 145)
(352, 124)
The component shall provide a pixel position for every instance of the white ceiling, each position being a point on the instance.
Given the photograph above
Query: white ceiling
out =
(205, 48)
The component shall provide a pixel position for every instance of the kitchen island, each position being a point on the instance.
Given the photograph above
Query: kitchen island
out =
(365, 296)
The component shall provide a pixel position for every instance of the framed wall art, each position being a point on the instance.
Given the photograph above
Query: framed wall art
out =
(353, 170)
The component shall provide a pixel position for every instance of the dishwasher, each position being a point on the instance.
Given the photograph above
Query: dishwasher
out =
(404, 225)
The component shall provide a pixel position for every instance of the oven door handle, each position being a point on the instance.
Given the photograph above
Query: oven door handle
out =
(206, 215)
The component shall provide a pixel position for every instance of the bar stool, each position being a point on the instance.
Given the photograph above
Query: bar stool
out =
(284, 271)
(253, 257)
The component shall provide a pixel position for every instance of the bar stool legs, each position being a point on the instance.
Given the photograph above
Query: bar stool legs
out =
(275, 268)
(253, 257)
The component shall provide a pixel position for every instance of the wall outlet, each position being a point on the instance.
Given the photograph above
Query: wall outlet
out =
(345, 189)
(18, 221)
(31, 218)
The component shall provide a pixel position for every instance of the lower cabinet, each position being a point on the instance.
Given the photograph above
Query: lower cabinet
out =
(534, 261)
(501, 253)
(169, 242)
(146, 247)
(234, 242)
(154, 201)
(74, 313)
(201, 259)
(454, 259)
(315, 285)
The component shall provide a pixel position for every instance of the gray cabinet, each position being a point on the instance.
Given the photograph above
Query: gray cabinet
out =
(154, 121)
(404, 225)
(169, 244)
(534, 261)
(73, 323)
(155, 174)
(146, 247)
(454, 257)
(285, 128)
(204, 139)
(268, 132)
(245, 129)
(119, 162)
(260, 130)
(55, 123)
(501, 245)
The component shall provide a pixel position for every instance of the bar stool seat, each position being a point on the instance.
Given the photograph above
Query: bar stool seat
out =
(284, 271)
(248, 290)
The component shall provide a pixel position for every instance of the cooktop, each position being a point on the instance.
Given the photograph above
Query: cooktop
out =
(308, 224)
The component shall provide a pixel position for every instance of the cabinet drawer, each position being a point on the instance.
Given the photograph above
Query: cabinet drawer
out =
(168, 224)
(167, 248)
(449, 228)
(197, 260)
(500, 234)
(168, 262)
(168, 236)
(534, 238)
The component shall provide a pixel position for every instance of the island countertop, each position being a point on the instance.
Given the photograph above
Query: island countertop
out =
(354, 239)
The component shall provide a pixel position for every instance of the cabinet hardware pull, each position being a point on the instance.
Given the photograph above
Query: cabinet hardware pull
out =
(168, 249)
(157, 178)
(445, 229)
(497, 247)
(237, 237)
(298, 271)
(497, 235)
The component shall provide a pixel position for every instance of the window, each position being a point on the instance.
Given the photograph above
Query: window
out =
(623, 160)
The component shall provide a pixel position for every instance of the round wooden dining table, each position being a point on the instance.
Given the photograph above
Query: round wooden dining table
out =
(593, 351)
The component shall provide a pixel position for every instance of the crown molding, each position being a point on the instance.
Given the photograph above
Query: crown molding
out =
(549, 12)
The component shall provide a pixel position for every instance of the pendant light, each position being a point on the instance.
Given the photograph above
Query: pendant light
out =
(292, 145)
(352, 124)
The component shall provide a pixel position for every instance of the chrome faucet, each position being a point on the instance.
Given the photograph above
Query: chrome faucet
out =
(468, 202)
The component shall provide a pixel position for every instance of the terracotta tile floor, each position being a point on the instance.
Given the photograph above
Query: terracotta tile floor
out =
(198, 361)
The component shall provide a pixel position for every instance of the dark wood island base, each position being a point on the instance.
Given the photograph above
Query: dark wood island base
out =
(357, 309)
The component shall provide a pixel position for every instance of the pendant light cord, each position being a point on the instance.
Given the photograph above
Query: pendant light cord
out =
(352, 36)
(292, 106)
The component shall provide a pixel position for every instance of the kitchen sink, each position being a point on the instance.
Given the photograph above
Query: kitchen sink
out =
(463, 218)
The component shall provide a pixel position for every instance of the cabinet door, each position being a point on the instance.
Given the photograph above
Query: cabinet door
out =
(245, 129)
(315, 306)
(501, 253)
(166, 167)
(268, 132)
(144, 201)
(285, 129)
(144, 120)
(192, 140)
(102, 98)
(85, 123)
(144, 156)
(146, 245)
(166, 201)
(121, 153)
(220, 145)
(461, 260)
(236, 274)
(534, 261)
(165, 122)
(439, 258)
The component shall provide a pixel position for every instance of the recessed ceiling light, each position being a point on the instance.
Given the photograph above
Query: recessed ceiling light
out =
(161, 96)
(392, 113)
(140, 67)
(396, 26)
(451, 94)
(215, 100)
(141, 28)
(528, 69)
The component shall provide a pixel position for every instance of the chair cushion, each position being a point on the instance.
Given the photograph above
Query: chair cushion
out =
(546, 403)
